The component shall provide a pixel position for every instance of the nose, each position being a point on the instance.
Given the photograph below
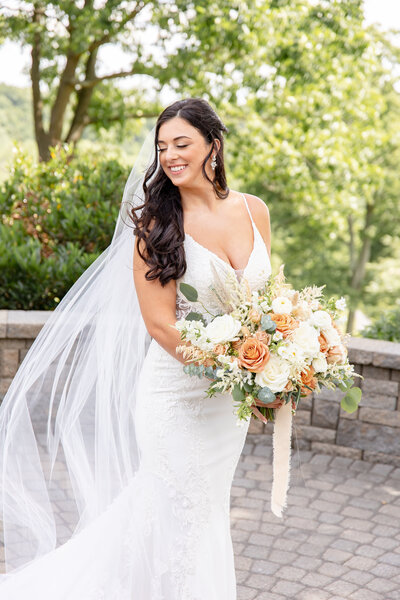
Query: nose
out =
(171, 153)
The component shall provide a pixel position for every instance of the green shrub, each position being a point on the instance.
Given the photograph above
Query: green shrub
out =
(57, 217)
(386, 327)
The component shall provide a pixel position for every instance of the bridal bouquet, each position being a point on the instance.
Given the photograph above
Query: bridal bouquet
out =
(273, 345)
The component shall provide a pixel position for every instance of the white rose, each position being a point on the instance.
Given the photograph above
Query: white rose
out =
(331, 336)
(320, 318)
(306, 336)
(223, 329)
(319, 363)
(291, 352)
(282, 305)
(275, 374)
(341, 303)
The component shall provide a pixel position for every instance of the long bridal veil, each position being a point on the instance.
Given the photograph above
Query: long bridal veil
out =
(67, 437)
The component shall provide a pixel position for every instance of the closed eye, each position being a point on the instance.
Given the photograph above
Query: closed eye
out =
(162, 149)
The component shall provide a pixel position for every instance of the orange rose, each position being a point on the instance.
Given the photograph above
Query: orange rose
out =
(263, 336)
(253, 355)
(323, 344)
(307, 378)
(284, 323)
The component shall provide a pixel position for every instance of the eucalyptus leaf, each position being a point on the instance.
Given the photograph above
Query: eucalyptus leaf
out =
(267, 324)
(188, 291)
(247, 386)
(265, 395)
(237, 393)
(351, 400)
(194, 316)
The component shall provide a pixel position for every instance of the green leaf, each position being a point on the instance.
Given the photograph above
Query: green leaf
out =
(237, 393)
(194, 316)
(265, 395)
(346, 385)
(247, 386)
(351, 400)
(188, 291)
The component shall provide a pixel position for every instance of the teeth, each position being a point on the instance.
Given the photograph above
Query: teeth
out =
(176, 169)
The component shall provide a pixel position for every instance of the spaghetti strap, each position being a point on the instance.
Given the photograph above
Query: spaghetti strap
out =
(247, 206)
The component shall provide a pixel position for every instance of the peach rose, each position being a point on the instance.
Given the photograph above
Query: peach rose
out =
(253, 355)
(254, 315)
(336, 354)
(323, 344)
(263, 336)
(245, 331)
(220, 349)
(285, 323)
(307, 378)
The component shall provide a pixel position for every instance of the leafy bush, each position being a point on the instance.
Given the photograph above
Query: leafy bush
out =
(386, 327)
(57, 217)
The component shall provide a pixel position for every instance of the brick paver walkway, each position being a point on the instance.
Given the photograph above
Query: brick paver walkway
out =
(339, 538)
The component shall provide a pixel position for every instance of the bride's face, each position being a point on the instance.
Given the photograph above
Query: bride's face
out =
(182, 150)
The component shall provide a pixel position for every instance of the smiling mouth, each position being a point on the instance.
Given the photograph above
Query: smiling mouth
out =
(177, 169)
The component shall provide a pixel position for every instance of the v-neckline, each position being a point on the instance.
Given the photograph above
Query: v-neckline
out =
(224, 262)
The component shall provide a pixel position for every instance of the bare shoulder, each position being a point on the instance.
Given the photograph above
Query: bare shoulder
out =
(258, 208)
(260, 213)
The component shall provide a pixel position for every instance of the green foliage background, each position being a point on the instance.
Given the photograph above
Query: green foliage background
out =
(310, 95)
(57, 218)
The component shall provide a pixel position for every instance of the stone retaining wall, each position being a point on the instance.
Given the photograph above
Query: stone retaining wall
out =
(372, 433)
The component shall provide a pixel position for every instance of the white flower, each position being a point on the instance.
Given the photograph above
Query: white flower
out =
(341, 303)
(320, 318)
(180, 324)
(331, 336)
(278, 335)
(306, 336)
(319, 363)
(275, 374)
(291, 352)
(265, 306)
(223, 329)
(282, 305)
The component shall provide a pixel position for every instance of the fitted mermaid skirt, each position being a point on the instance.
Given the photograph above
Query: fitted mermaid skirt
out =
(167, 535)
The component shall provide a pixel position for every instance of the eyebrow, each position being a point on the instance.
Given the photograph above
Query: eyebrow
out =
(176, 138)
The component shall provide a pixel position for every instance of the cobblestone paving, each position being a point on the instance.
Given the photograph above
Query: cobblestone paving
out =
(339, 537)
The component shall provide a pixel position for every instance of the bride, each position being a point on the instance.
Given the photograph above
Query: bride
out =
(116, 468)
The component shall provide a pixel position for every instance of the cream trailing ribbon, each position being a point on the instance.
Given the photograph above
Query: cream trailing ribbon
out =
(281, 462)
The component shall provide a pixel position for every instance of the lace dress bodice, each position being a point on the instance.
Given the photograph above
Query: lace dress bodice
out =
(205, 269)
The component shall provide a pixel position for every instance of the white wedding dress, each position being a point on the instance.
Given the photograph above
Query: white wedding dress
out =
(167, 535)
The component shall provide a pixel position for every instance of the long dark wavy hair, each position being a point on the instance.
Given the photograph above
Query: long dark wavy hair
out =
(164, 251)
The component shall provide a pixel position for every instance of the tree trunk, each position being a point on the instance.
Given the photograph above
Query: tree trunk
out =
(42, 138)
(81, 117)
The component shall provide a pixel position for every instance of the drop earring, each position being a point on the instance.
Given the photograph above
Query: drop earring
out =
(214, 162)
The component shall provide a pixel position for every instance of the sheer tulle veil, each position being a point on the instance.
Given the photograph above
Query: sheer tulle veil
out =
(67, 437)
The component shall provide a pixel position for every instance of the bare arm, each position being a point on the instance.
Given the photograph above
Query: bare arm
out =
(157, 305)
